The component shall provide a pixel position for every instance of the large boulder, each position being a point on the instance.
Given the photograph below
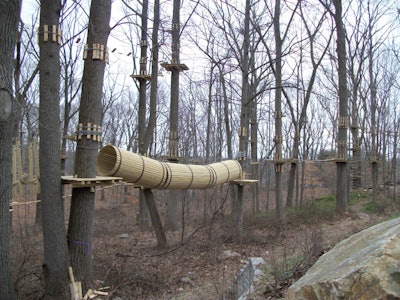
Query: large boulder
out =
(364, 266)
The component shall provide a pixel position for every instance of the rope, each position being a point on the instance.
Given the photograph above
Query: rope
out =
(87, 244)
(141, 174)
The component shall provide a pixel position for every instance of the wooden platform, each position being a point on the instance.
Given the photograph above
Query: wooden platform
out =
(145, 77)
(90, 182)
(176, 67)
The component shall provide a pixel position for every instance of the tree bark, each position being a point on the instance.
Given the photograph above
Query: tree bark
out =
(154, 78)
(239, 215)
(80, 228)
(9, 17)
(172, 216)
(342, 186)
(143, 218)
(373, 91)
(355, 134)
(226, 114)
(244, 123)
(55, 244)
(254, 156)
(278, 112)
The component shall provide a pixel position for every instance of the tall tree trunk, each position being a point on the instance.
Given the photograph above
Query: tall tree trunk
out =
(254, 154)
(373, 91)
(206, 199)
(342, 186)
(278, 112)
(154, 78)
(80, 228)
(293, 167)
(299, 122)
(252, 108)
(394, 158)
(244, 123)
(143, 211)
(150, 202)
(228, 130)
(226, 114)
(356, 143)
(9, 17)
(172, 216)
(55, 244)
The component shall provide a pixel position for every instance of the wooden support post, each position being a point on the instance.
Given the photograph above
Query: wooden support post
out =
(18, 169)
(239, 215)
(46, 33)
(88, 129)
(36, 162)
(51, 33)
(155, 219)
(80, 128)
(99, 139)
(31, 166)
(54, 33)
(75, 286)
(99, 52)
(14, 172)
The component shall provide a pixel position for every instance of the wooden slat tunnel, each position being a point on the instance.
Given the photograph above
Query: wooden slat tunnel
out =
(150, 173)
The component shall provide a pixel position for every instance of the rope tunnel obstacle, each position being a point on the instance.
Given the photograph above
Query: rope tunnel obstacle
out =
(150, 173)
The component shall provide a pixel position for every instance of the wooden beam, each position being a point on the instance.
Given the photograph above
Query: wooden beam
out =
(90, 182)
(177, 67)
(242, 182)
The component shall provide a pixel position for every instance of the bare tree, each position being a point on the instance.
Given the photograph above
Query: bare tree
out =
(55, 244)
(220, 68)
(171, 220)
(278, 110)
(342, 170)
(376, 36)
(356, 40)
(24, 83)
(9, 17)
(70, 66)
(25, 74)
(244, 122)
(149, 134)
(143, 218)
(80, 229)
(299, 121)
(373, 99)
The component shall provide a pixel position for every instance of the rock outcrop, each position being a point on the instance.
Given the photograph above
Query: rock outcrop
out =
(364, 266)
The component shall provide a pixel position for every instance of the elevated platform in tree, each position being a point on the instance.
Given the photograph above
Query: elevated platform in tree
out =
(90, 182)
(176, 66)
(141, 76)
(150, 173)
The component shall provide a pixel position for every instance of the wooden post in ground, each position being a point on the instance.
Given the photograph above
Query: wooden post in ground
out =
(35, 159)
(239, 215)
(16, 169)
(155, 219)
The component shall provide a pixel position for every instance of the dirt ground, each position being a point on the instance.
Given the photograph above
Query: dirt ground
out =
(128, 265)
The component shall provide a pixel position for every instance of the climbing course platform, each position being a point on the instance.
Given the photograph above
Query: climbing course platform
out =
(151, 173)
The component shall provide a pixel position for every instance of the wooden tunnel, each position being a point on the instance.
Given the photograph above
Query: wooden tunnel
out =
(150, 173)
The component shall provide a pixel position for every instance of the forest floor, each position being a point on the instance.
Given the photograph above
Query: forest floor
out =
(128, 265)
